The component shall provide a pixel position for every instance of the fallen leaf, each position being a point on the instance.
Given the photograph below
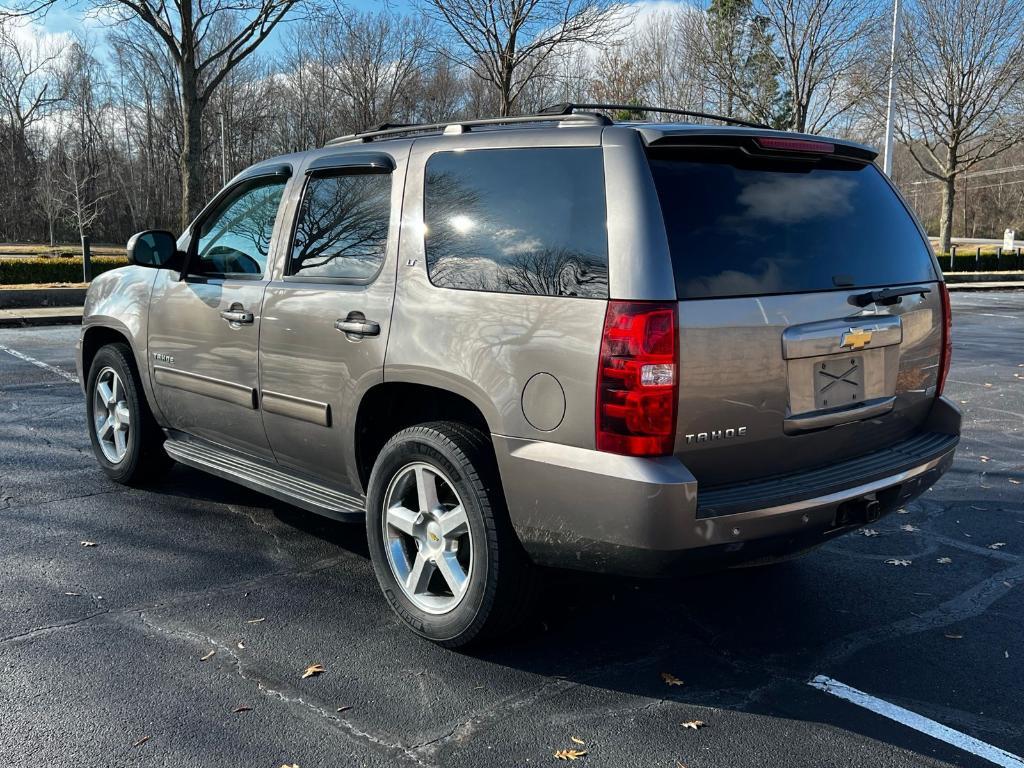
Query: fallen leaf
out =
(88, 543)
(241, 645)
(576, 740)
(141, 741)
(1006, 654)
(955, 637)
(236, 710)
(944, 560)
(292, 765)
(902, 512)
(346, 708)
(256, 621)
(997, 545)
(694, 724)
(898, 562)
(671, 679)
(313, 670)
(868, 532)
(987, 384)
(909, 528)
(208, 656)
(73, 594)
(570, 754)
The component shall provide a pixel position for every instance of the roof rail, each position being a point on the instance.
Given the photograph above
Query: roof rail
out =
(390, 131)
(569, 108)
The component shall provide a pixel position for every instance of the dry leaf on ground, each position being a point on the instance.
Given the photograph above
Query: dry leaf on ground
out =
(909, 528)
(141, 741)
(694, 724)
(671, 679)
(208, 656)
(895, 561)
(346, 708)
(73, 594)
(313, 670)
(944, 560)
(570, 754)
(576, 740)
(236, 710)
(868, 532)
(256, 621)
(88, 543)
(954, 637)
(289, 765)
(997, 545)
(241, 645)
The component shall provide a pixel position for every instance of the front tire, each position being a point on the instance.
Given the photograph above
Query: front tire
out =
(442, 545)
(125, 437)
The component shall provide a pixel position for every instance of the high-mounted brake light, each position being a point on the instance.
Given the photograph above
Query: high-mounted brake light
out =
(947, 338)
(795, 145)
(638, 379)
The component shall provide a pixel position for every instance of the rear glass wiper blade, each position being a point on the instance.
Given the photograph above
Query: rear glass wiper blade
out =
(888, 295)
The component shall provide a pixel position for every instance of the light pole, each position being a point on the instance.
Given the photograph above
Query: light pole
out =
(224, 152)
(887, 160)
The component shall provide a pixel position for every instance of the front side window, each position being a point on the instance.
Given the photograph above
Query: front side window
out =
(235, 239)
(528, 221)
(342, 229)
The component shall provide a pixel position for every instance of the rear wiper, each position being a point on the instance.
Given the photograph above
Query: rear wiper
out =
(886, 296)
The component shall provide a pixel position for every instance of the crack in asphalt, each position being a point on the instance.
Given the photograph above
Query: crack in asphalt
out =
(281, 691)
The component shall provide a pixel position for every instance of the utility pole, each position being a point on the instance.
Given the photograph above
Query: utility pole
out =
(887, 161)
(224, 151)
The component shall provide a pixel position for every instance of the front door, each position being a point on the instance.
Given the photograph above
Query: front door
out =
(326, 319)
(204, 329)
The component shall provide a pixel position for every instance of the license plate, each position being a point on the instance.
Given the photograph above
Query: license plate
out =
(839, 381)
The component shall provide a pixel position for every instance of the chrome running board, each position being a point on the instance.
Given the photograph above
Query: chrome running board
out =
(266, 478)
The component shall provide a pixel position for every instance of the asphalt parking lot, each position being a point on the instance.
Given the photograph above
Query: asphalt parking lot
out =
(102, 647)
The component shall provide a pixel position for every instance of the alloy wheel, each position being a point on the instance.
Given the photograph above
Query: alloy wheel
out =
(111, 415)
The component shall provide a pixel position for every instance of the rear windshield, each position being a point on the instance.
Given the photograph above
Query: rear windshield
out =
(742, 226)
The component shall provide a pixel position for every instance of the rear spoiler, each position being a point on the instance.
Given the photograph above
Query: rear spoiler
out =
(758, 142)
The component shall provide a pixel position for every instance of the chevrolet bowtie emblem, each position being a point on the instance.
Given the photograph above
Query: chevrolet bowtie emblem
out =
(855, 339)
(433, 537)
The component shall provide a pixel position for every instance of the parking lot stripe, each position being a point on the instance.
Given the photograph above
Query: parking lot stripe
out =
(917, 722)
(40, 364)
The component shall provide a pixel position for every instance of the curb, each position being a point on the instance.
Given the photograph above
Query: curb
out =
(36, 318)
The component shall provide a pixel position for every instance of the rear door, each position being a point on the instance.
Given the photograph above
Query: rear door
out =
(326, 316)
(786, 363)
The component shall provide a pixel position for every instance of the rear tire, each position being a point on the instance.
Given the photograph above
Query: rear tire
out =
(462, 537)
(126, 439)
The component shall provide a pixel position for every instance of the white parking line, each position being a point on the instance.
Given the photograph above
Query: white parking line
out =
(40, 364)
(917, 722)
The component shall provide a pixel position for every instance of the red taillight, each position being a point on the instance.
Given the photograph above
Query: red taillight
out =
(947, 338)
(638, 379)
(795, 145)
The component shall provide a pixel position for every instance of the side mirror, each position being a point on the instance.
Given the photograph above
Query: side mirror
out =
(154, 248)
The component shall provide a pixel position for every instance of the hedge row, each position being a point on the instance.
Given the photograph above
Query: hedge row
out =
(969, 261)
(18, 271)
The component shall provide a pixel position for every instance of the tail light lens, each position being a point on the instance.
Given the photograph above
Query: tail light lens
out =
(638, 379)
(947, 338)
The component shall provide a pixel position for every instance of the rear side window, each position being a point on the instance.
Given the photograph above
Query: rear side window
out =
(529, 221)
(742, 226)
(342, 229)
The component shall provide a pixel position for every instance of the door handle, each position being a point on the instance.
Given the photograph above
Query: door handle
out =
(237, 315)
(358, 327)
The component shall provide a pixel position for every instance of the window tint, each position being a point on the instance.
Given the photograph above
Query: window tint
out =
(342, 230)
(741, 226)
(235, 239)
(517, 221)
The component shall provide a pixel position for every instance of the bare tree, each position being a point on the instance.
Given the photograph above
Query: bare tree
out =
(506, 43)
(960, 79)
(820, 44)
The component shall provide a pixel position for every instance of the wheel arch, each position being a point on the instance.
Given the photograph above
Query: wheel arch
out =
(390, 407)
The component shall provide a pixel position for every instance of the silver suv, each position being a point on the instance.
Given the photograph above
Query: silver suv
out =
(550, 340)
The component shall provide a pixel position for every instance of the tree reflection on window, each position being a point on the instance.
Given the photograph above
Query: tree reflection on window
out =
(342, 229)
(529, 221)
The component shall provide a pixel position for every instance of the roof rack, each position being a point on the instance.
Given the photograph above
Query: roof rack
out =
(569, 108)
(390, 130)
